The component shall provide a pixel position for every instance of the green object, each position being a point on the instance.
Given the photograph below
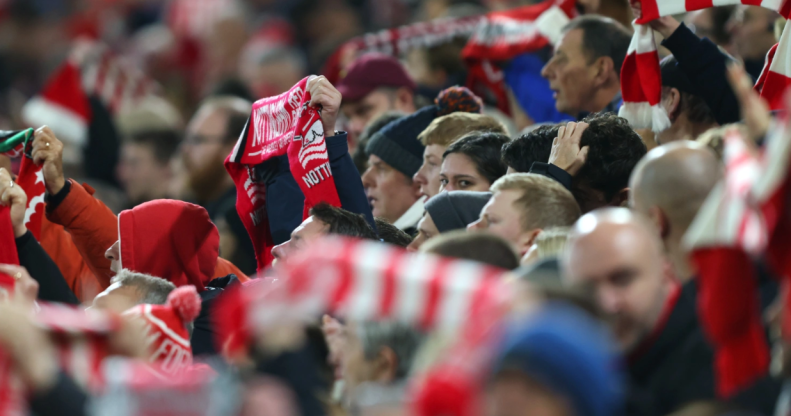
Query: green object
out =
(11, 139)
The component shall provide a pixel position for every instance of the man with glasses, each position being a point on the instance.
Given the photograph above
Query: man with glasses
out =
(210, 137)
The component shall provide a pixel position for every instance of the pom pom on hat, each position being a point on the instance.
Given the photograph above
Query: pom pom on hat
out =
(455, 99)
(185, 302)
(447, 391)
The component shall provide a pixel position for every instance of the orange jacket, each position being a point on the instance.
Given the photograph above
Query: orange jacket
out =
(93, 228)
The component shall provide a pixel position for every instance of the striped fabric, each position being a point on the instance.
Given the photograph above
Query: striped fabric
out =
(653, 9)
(641, 84)
(363, 280)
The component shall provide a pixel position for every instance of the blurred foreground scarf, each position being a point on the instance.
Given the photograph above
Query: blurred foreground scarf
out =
(744, 216)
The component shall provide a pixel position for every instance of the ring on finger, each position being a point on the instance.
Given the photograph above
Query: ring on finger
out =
(46, 144)
(17, 275)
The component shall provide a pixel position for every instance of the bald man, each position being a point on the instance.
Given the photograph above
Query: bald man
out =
(669, 185)
(617, 255)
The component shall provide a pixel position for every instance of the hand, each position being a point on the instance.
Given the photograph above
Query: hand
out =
(48, 150)
(25, 287)
(566, 153)
(323, 94)
(754, 109)
(665, 25)
(334, 335)
(12, 195)
(28, 345)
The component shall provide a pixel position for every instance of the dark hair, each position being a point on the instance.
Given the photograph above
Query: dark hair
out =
(534, 146)
(235, 125)
(479, 246)
(484, 151)
(343, 222)
(614, 150)
(390, 234)
(360, 157)
(602, 36)
(164, 143)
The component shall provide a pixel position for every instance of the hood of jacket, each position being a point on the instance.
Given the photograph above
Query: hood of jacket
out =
(174, 240)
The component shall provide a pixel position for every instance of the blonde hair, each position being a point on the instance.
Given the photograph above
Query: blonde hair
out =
(543, 202)
(551, 242)
(714, 138)
(449, 128)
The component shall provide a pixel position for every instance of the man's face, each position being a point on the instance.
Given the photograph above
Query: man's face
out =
(117, 298)
(389, 191)
(309, 230)
(570, 75)
(513, 394)
(428, 175)
(753, 31)
(141, 174)
(459, 173)
(114, 255)
(624, 269)
(360, 113)
(356, 368)
(500, 217)
(204, 150)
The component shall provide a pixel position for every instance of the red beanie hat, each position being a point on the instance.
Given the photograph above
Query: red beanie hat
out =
(166, 325)
(170, 239)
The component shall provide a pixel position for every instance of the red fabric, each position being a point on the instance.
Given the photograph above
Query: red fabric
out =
(174, 240)
(284, 124)
(500, 37)
(64, 89)
(167, 338)
(8, 254)
(31, 180)
(641, 78)
(651, 9)
(730, 313)
(773, 89)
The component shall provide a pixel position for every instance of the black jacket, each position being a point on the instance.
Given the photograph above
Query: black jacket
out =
(202, 340)
(677, 368)
(52, 287)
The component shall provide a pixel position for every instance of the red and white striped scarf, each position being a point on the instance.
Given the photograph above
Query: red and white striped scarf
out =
(641, 79)
(744, 216)
(365, 280)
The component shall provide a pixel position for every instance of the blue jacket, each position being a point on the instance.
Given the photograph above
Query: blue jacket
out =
(284, 198)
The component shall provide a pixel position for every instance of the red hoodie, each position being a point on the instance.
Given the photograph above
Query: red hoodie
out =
(174, 240)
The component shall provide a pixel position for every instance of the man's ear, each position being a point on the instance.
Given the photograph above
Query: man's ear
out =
(604, 68)
(526, 240)
(404, 100)
(660, 220)
(386, 366)
(621, 199)
(671, 100)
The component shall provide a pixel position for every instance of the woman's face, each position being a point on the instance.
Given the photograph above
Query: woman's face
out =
(459, 173)
(426, 230)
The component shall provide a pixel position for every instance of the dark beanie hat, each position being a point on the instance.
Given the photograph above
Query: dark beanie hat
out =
(674, 77)
(454, 210)
(397, 144)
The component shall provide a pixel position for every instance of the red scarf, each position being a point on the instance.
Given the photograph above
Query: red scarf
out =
(284, 124)
(31, 180)
(502, 36)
